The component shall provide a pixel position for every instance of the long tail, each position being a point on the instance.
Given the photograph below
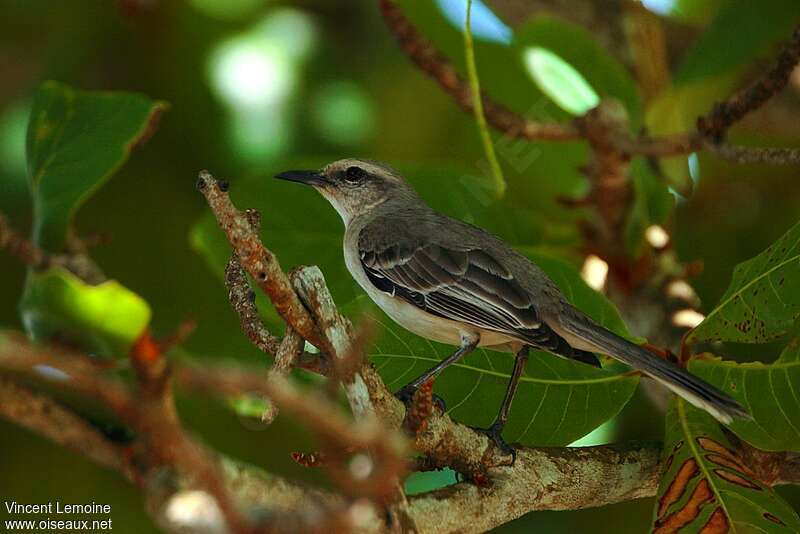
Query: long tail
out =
(696, 391)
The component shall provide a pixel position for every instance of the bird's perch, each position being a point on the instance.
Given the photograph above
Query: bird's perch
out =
(541, 479)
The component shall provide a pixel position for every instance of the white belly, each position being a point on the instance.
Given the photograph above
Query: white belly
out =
(418, 321)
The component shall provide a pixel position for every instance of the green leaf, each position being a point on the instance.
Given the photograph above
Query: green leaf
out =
(763, 300)
(706, 484)
(576, 50)
(500, 66)
(694, 12)
(770, 393)
(105, 319)
(558, 400)
(560, 81)
(76, 140)
(249, 406)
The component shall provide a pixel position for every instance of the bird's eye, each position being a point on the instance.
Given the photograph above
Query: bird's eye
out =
(355, 175)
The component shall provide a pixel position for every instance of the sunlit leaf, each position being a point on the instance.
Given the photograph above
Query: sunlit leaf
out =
(76, 140)
(769, 392)
(706, 485)
(763, 299)
(576, 66)
(502, 72)
(560, 81)
(105, 319)
(249, 406)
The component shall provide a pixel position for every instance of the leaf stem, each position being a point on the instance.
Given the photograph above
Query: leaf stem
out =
(477, 105)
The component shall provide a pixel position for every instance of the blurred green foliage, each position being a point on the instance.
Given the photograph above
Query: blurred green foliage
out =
(260, 86)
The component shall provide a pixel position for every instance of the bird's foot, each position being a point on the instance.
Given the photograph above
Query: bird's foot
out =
(406, 396)
(495, 434)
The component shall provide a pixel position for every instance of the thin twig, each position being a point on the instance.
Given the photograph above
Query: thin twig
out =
(21, 248)
(48, 418)
(309, 283)
(259, 263)
(428, 58)
(285, 359)
(477, 106)
(323, 418)
(755, 155)
(724, 114)
(242, 299)
(430, 61)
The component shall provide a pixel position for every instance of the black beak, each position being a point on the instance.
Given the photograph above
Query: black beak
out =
(302, 177)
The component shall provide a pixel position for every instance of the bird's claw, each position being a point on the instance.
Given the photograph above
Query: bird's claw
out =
(494, 433)
(406, 396)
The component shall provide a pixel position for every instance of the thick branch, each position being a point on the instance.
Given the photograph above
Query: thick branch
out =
(541, 479)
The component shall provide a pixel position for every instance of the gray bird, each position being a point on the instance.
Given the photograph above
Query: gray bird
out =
(452, 282)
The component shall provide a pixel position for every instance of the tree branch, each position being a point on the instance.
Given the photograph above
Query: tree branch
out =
(40, 414)
(259, 263)
(428, 58)
(715, 124)
(541, 479)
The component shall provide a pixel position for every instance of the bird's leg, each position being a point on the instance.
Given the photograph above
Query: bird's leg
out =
(495, 431)
(469, 341)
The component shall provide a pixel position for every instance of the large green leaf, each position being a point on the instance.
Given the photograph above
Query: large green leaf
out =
(707, 485)
(770, 393)
(763, 300)
(558, 400)
(105, 319)
(75, 142)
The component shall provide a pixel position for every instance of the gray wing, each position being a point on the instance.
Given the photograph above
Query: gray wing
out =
(465, 285)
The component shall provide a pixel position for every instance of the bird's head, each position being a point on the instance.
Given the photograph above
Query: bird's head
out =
(354, 186)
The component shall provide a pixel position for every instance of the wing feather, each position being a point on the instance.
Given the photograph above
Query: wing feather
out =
(468, 286)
